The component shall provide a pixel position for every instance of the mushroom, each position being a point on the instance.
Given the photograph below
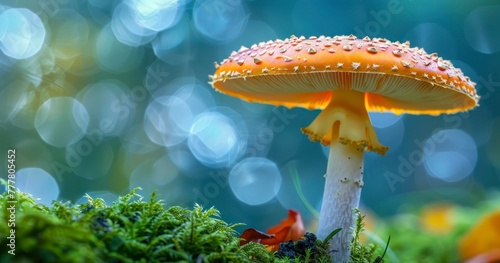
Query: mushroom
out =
(345, 77)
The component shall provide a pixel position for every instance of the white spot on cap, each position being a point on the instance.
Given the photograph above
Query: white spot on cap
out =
(442, 65)
(397, 52)
(347, 47)
(406, 63)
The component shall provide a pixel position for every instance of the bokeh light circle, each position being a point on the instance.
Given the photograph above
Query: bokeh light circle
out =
(432, 36)
(115, 56)
(69, 35)
(255, 31)
(13, 98)
(450, 155)
(61, 121)
(481, 29)
(220, 21)
(259, 136)
(109, 114)
(383, 119)
(135, 140)
(153, 174)
(188, 89)
(125, 28)
(156, 15)
(171, 38)
(255, 181)
(21, 33)
(214, 140)
(38, 183)
(167, 120)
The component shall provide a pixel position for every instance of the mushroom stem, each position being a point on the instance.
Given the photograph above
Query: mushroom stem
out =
(344, 180)
(344, 125)
(345, 119)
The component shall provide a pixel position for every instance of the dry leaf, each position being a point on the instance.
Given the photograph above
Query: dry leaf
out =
(252, 235)
(292, 228)
(483, 238)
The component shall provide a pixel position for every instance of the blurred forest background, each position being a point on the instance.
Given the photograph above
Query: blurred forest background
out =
(100, 97)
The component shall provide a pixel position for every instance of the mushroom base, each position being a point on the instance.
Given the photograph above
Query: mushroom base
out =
(344, 180)
(345, 119)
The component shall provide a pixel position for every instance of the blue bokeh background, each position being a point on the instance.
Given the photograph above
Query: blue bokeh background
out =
(100, 97)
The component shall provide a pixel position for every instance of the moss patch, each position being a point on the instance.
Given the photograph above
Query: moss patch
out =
(133, 230)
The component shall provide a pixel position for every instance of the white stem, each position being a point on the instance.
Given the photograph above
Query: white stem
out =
(344, 180)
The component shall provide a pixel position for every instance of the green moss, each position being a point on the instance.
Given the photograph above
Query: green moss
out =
(133, 230)
(361, 253)
(126, 231)
(43, 236)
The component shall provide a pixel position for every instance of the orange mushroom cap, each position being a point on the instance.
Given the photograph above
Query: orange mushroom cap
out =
(300, 72)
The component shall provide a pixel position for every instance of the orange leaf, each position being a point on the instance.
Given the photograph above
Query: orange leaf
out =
(482, 238)
(291, 228)
(252, 235)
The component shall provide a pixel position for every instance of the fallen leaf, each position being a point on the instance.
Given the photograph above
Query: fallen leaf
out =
(483, 238)
(291, 228)
(252, 235)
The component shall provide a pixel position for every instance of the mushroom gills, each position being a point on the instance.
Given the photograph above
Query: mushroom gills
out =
(345, 119)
